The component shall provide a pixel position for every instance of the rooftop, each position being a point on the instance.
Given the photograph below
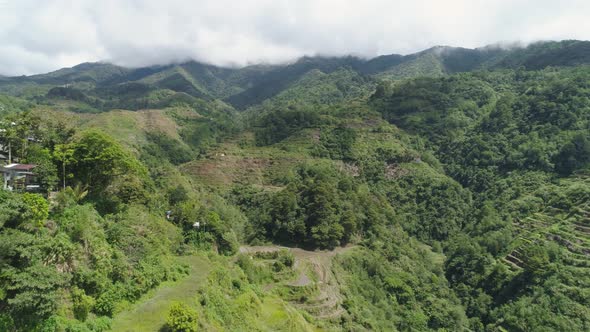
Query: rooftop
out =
(20, 167)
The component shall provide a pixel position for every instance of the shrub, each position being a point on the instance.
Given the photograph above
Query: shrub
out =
(106, 304)
(182, 318)
(286, 258)
(38, 208)
(82, 303)
(6, 322)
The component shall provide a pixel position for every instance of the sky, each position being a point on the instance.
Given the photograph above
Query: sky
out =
(38, 36)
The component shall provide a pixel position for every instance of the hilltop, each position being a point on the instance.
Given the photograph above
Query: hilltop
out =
(106, 86)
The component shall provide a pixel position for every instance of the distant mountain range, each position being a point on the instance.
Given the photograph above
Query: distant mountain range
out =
(105, 85)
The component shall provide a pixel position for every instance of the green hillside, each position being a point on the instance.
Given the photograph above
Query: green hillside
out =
(445, 190)
(110, 86)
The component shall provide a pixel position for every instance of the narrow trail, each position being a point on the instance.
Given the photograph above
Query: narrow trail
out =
(149, 313)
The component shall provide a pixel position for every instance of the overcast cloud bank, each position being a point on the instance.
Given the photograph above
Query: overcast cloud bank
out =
(39, 36)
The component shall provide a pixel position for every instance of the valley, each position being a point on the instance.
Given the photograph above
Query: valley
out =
(443, 190)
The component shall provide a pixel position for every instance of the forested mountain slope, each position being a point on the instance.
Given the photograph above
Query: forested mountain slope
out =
(108, 86)
(445, 190)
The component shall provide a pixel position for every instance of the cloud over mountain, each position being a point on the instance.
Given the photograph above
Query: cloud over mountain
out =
(38, 36)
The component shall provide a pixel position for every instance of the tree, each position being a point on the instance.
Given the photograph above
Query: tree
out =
(82, 303)
(337, 143)
(536, 261)
(70, 196)
(37, 209)
(226, 239)
(16, 131)
(113, 175)
(177, 195)
(98, 158)
(285, 213)
(65, 154)
(45, 172)
(33, 292)
(322, 207)
(8, 136)
(573, 155)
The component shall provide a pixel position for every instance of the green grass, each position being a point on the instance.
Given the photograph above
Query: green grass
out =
(149, 313)
(279, 316)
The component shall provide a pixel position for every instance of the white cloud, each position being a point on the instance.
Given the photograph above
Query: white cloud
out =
(43, 35)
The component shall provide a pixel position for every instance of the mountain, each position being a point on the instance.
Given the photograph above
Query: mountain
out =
(438, 191)
(274, 81)
(251, 85)
(316, 87)
(544, 54)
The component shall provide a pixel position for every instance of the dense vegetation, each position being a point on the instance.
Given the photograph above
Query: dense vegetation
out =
(518, 141)
(445, 190)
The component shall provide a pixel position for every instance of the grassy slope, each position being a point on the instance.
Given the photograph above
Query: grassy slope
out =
(149, 313)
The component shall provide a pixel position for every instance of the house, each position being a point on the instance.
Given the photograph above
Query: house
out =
(19, 177)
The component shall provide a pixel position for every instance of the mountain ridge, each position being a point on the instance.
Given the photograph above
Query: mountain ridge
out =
(251, 85)
(509, 47)
(459, 179)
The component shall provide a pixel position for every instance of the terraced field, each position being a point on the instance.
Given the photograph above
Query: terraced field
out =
(237, 160)
(568, 229)
(315, 278)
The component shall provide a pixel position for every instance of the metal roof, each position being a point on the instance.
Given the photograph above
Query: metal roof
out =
(20, 167)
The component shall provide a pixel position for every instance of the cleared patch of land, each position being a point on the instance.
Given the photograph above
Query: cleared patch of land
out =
(313, 271)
